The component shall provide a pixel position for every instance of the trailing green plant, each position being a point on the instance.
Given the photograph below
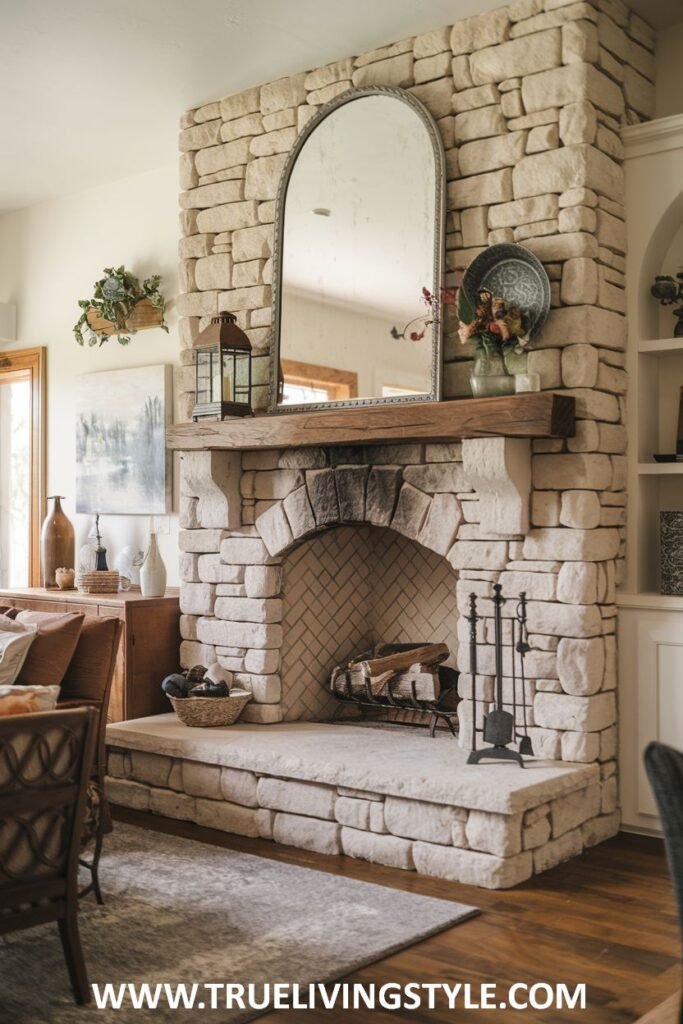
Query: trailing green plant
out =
(114, 298)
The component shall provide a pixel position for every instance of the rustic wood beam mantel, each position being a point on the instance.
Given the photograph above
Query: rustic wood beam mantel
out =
(539, 414)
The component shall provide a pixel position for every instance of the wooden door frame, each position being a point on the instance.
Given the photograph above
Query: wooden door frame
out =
(33, 361)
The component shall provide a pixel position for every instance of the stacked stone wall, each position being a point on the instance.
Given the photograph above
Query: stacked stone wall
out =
(529, 100)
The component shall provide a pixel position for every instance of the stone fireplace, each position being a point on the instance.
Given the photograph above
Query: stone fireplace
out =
(304, 577)
(287, 551)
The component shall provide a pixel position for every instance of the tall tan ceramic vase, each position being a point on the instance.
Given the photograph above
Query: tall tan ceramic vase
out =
(57, 544)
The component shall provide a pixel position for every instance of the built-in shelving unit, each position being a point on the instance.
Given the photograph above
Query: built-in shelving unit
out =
(654, 199)
(650, 635)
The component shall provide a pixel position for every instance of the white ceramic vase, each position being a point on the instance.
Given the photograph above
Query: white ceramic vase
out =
(153, 571)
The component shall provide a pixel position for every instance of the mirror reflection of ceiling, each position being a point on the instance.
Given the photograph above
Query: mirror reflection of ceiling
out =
(370, 246)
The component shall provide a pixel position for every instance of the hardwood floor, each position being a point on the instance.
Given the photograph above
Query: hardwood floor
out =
(606, 919)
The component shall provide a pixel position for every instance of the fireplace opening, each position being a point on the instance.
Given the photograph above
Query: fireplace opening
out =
(347, 590)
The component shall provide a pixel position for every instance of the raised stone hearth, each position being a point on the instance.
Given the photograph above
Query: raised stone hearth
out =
(385, 795)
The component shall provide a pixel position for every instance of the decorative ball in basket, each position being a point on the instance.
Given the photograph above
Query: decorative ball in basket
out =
(203, 698)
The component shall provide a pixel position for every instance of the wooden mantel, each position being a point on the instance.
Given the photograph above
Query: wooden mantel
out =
(539, 414)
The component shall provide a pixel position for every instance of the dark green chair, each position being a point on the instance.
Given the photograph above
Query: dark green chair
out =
(664, 767)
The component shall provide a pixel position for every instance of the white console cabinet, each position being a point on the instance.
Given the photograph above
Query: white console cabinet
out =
(650, 695)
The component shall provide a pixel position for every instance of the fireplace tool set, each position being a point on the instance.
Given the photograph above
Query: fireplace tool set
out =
(413, 678)
(500, 727)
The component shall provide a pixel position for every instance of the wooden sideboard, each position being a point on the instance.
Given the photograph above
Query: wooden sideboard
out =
(150, 641)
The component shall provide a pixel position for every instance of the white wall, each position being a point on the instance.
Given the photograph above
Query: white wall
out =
(669, 76)
(50, 255)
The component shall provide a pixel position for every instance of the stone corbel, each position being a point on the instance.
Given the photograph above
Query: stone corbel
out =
(499, 470)
(214, 479)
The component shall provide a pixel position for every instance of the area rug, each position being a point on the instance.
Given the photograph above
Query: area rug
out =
(179, 911)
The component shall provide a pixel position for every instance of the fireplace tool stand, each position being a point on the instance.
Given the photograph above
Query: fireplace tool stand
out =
(500, 725)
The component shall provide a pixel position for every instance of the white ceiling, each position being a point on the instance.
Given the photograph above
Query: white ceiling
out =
(91, 90)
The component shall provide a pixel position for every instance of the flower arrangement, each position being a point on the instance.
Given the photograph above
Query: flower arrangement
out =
(115, 296)
(492, 324)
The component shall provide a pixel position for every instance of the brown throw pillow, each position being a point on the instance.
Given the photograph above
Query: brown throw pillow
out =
(88, 673)
(11, 613)
(53, 648)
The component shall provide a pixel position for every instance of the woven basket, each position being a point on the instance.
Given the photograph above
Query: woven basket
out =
(98, 581)
(205, 712)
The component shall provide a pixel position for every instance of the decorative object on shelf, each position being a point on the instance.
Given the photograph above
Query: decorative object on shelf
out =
(671, 552)
(503, 300)
(676, 456)
(65, 578)
(489, 377)
(122, 466)
(57, 544)
(669, 290)
(100, 550)
(222, 370)
(153, 571)
(516, 275)
(500, 728)
(87, 554)
(128, 562)
(525, 382)
(100, 581)
(120, 305)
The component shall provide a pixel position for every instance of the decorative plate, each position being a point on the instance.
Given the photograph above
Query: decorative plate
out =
(513, 273)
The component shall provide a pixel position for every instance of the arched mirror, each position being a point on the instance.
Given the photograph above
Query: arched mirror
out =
(358, 248)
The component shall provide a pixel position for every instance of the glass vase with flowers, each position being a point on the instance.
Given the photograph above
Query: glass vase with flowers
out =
(496, 328)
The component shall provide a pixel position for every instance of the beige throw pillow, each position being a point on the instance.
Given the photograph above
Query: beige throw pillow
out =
(25, 700)
(14, 646)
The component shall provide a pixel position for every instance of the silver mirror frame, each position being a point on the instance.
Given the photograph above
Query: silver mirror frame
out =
(439, 235)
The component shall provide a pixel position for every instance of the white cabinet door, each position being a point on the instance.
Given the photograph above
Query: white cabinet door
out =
(650, 699)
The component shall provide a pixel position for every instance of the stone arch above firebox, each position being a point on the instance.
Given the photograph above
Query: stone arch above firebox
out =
(422, 502)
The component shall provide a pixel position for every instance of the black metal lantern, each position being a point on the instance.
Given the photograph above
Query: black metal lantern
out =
(222, 370)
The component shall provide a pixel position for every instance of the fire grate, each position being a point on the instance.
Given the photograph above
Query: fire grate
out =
(354, 684)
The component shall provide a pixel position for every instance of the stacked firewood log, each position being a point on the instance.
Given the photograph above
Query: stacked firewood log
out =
(396, 670)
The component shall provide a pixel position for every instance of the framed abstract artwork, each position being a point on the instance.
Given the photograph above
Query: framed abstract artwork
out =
(122, 465)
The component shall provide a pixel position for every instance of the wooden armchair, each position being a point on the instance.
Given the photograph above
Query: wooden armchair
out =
(88, 683)
(45, 764)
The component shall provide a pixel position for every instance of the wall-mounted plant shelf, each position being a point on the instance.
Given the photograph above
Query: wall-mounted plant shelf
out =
(540, 414)
(145, 315)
